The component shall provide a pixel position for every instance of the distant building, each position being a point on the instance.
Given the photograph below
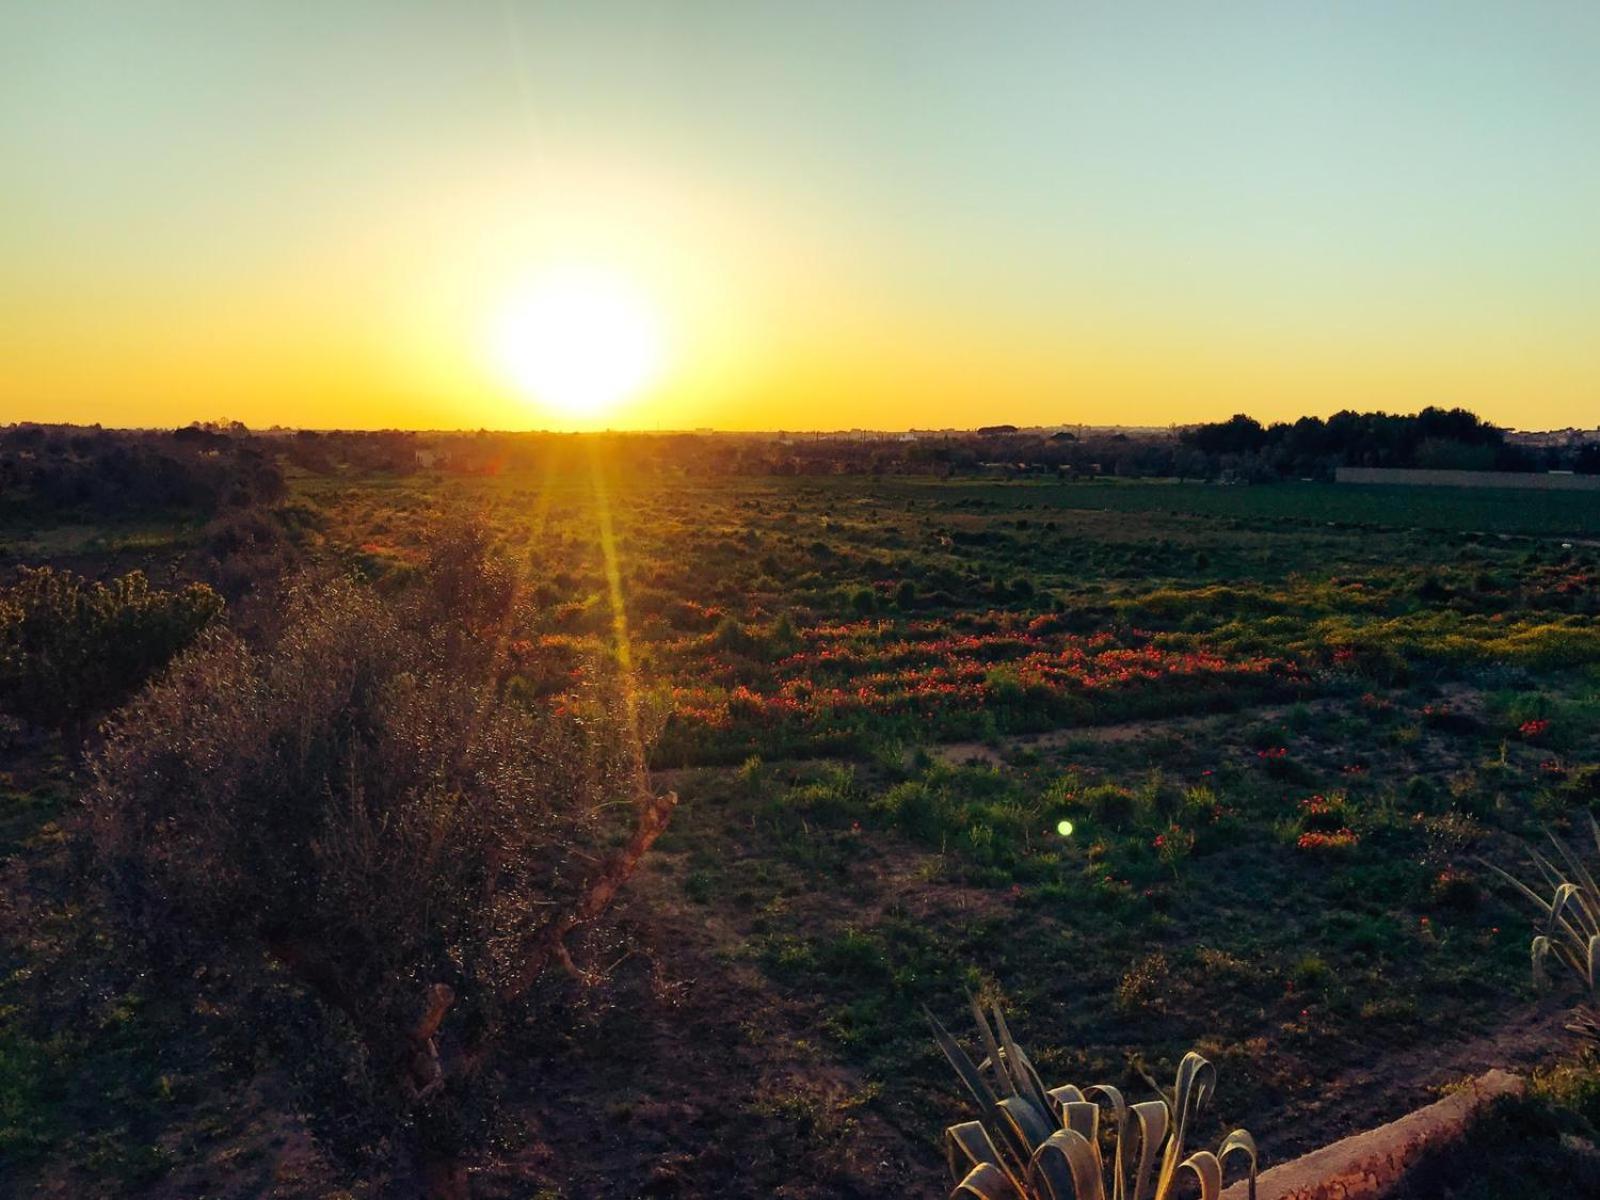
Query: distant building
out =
(1554, 437)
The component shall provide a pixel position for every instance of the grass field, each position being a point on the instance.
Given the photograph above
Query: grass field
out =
(1284, 723)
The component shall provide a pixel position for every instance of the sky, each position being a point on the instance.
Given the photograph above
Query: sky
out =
(836, 215)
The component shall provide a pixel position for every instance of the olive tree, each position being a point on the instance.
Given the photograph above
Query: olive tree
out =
(366, 811)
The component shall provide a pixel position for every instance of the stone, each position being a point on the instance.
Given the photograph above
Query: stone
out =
(1367, 1166)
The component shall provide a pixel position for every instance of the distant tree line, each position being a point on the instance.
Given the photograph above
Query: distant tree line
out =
(1239, 448)
(326, 452)
(210, 468)
(100, 473)
(1433, 439)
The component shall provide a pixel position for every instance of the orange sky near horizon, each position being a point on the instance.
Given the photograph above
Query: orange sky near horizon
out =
(893, 219)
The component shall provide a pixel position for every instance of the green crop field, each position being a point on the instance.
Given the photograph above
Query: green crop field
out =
(1456, 510)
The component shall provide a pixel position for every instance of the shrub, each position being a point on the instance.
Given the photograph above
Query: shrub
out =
(360, 809)
(1310, 972)
(830, 797)
(1142, 989)
(1109, 804)
(1173, 844)
(1004, 686)
(1569, 930)
(784, 638)
(71, 650)
(918, 810)
(1325, 814)
(249, 549)
(1201, 804)
(472, 582)
(732, 636)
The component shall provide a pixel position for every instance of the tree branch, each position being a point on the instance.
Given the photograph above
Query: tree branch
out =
(550, 943)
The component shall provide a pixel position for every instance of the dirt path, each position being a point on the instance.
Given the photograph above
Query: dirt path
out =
(996, 753)
(725, 1090)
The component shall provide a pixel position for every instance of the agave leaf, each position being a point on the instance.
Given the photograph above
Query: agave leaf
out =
(1582, 894)
(1083, 1119)
(1569, 898)
(1574, 864)
(1155, 1120)
(1551, 872)
(1569, 946)
(966, 1070)
(1083, 1116)
(966, 1146)
(1240, 1142)
(1204, 1166)
(1119, 1135)
(1025, 1123)
(1067, 1167)
(987, 1182)
(1538, 900)
(1555, 880)
(992, 1049)
(1587, 905)
(1196, 1079)
(1559, 904)
(1024, 1078)
(1063, 1095)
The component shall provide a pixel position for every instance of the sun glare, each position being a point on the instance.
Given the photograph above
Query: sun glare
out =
(579, 341)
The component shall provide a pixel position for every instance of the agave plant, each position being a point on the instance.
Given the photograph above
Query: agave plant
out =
(1033, 1143)
(1571, 927)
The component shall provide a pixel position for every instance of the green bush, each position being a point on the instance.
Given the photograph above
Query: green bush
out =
(1109, 804)
(71, 650)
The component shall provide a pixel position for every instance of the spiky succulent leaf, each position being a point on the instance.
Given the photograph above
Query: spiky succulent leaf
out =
(1569, 929)
(987, 1182)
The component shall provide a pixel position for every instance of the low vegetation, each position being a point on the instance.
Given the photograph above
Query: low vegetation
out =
(1167, 766)
(364, 808)
(72, 649)
(1569, 926)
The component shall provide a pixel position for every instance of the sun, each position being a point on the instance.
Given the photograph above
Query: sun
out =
(579, 341)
